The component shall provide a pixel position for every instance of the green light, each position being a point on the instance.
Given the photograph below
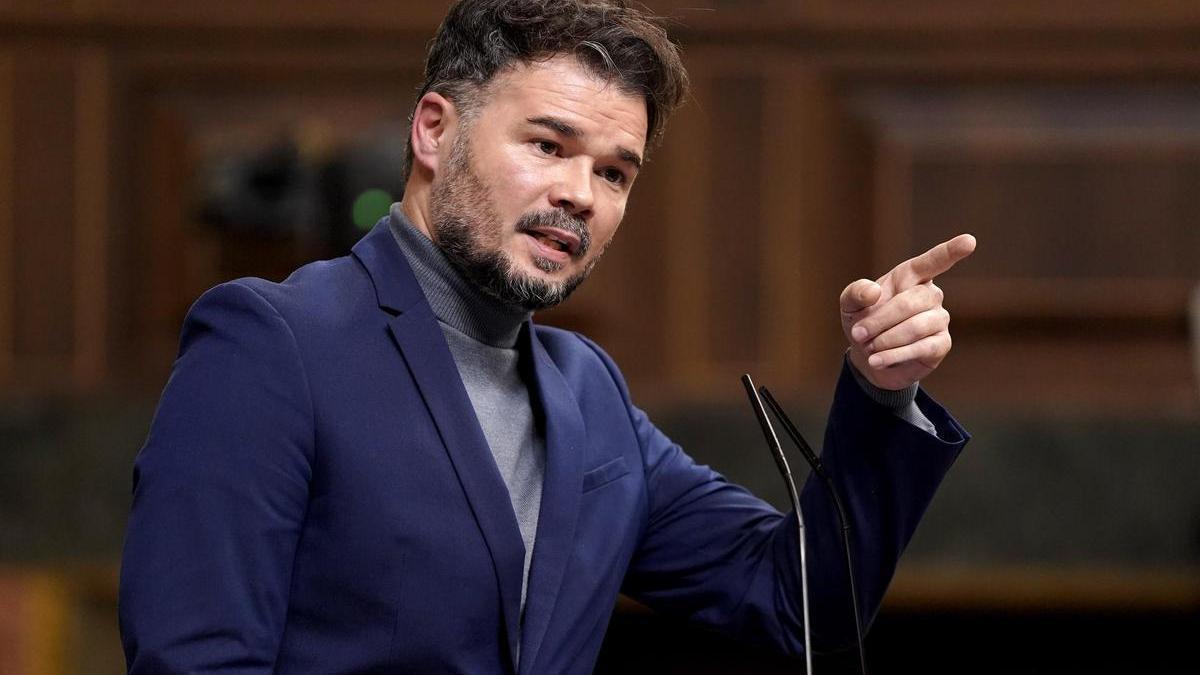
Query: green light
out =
(369, 207)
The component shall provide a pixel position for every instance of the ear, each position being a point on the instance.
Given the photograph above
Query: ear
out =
(434, 124)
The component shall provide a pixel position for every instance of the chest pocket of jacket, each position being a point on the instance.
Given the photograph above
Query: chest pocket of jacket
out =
(604, 474)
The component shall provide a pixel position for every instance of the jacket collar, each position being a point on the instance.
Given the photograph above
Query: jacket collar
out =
(417, 335)
(396, 288)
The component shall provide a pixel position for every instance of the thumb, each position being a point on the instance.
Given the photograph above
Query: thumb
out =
(859, 295)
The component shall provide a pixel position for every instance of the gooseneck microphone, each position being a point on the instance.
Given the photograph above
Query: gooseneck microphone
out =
(781, 462)
(819, 469)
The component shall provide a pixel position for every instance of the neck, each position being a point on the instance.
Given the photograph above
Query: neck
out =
(415, 206)
(455, 300)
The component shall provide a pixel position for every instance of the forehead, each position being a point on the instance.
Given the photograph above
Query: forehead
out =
(563, 88)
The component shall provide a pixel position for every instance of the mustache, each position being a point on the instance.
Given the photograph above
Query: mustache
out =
(560, 219)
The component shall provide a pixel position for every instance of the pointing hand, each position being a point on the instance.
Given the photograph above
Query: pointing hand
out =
(899, 332)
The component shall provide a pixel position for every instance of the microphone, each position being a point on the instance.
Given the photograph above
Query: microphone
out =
(819, 469)
(781, 462)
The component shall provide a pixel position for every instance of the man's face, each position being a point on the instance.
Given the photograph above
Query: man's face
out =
(537, 179)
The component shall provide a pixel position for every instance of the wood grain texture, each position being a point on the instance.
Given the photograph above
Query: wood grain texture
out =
(7, 216)
(92, 208)
(842, 136)
(44, 206)
(1044, 588)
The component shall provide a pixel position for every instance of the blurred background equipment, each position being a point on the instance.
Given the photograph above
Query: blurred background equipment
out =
(150, 150)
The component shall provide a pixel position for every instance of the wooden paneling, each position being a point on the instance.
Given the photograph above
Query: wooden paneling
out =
(271, 14)
(1072, 178)
(1082, 194)
(1042, 588)
(794, 213)
(92, 187)
(730, 276)
(929, 18)
(857, 25)
(688, 166)
(7, 215)
(44, 202)
(35, 8)
(826, 141)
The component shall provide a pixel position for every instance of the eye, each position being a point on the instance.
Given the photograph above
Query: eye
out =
(547, 147)
(614, 176)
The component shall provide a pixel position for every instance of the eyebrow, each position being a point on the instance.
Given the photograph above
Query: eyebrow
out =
(558, 126)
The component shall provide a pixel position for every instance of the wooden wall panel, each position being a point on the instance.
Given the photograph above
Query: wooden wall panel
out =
(1082, 196)
(7, 216)
(825, 142)
(274, 14)
(793, 208)
(757, 18)
(44, 202)
(45, 8)
(92, 186)
(1084, 184)
(730, 276)
(817, 204)
(684, 313)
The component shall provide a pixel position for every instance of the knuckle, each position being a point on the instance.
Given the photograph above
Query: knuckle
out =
(935, 322)
(917, 303)
(944, 344)
(937, 292)
(932, 350)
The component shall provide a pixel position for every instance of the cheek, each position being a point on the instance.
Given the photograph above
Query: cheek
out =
(606, 223)
(517, 180)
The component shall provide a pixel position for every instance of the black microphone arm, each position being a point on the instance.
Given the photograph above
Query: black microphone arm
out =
(819, 469)
(781, 462)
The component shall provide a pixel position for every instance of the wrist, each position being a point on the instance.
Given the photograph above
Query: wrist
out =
(890, 398)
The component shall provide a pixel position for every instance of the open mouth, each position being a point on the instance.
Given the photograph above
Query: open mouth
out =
(551, 242)
(556, 239)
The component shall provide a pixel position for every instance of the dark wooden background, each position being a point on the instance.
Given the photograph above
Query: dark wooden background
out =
(826, 140)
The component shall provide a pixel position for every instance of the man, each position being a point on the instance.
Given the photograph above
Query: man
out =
(382, 465)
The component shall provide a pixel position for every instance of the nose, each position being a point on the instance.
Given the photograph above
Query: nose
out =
(572, 192)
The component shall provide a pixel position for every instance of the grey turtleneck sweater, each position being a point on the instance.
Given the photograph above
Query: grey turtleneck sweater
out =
(482, 335)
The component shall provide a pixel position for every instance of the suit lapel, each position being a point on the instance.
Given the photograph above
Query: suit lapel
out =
(565, 436)
(415, 330)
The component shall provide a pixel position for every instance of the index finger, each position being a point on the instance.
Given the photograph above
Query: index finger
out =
(940, 258)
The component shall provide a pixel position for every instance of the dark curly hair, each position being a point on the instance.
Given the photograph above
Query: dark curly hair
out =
(480, 38)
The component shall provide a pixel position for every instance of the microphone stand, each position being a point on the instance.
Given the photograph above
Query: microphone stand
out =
(819, 469)
(781, 462)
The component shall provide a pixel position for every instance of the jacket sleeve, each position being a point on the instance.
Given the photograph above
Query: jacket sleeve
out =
(717, 555)
(219, 495)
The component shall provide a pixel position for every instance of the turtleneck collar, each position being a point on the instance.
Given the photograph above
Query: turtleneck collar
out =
(455, 300)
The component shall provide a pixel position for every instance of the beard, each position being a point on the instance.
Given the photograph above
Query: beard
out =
(467, 229)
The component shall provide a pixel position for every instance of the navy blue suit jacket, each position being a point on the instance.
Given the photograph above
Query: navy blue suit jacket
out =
(316, 496)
